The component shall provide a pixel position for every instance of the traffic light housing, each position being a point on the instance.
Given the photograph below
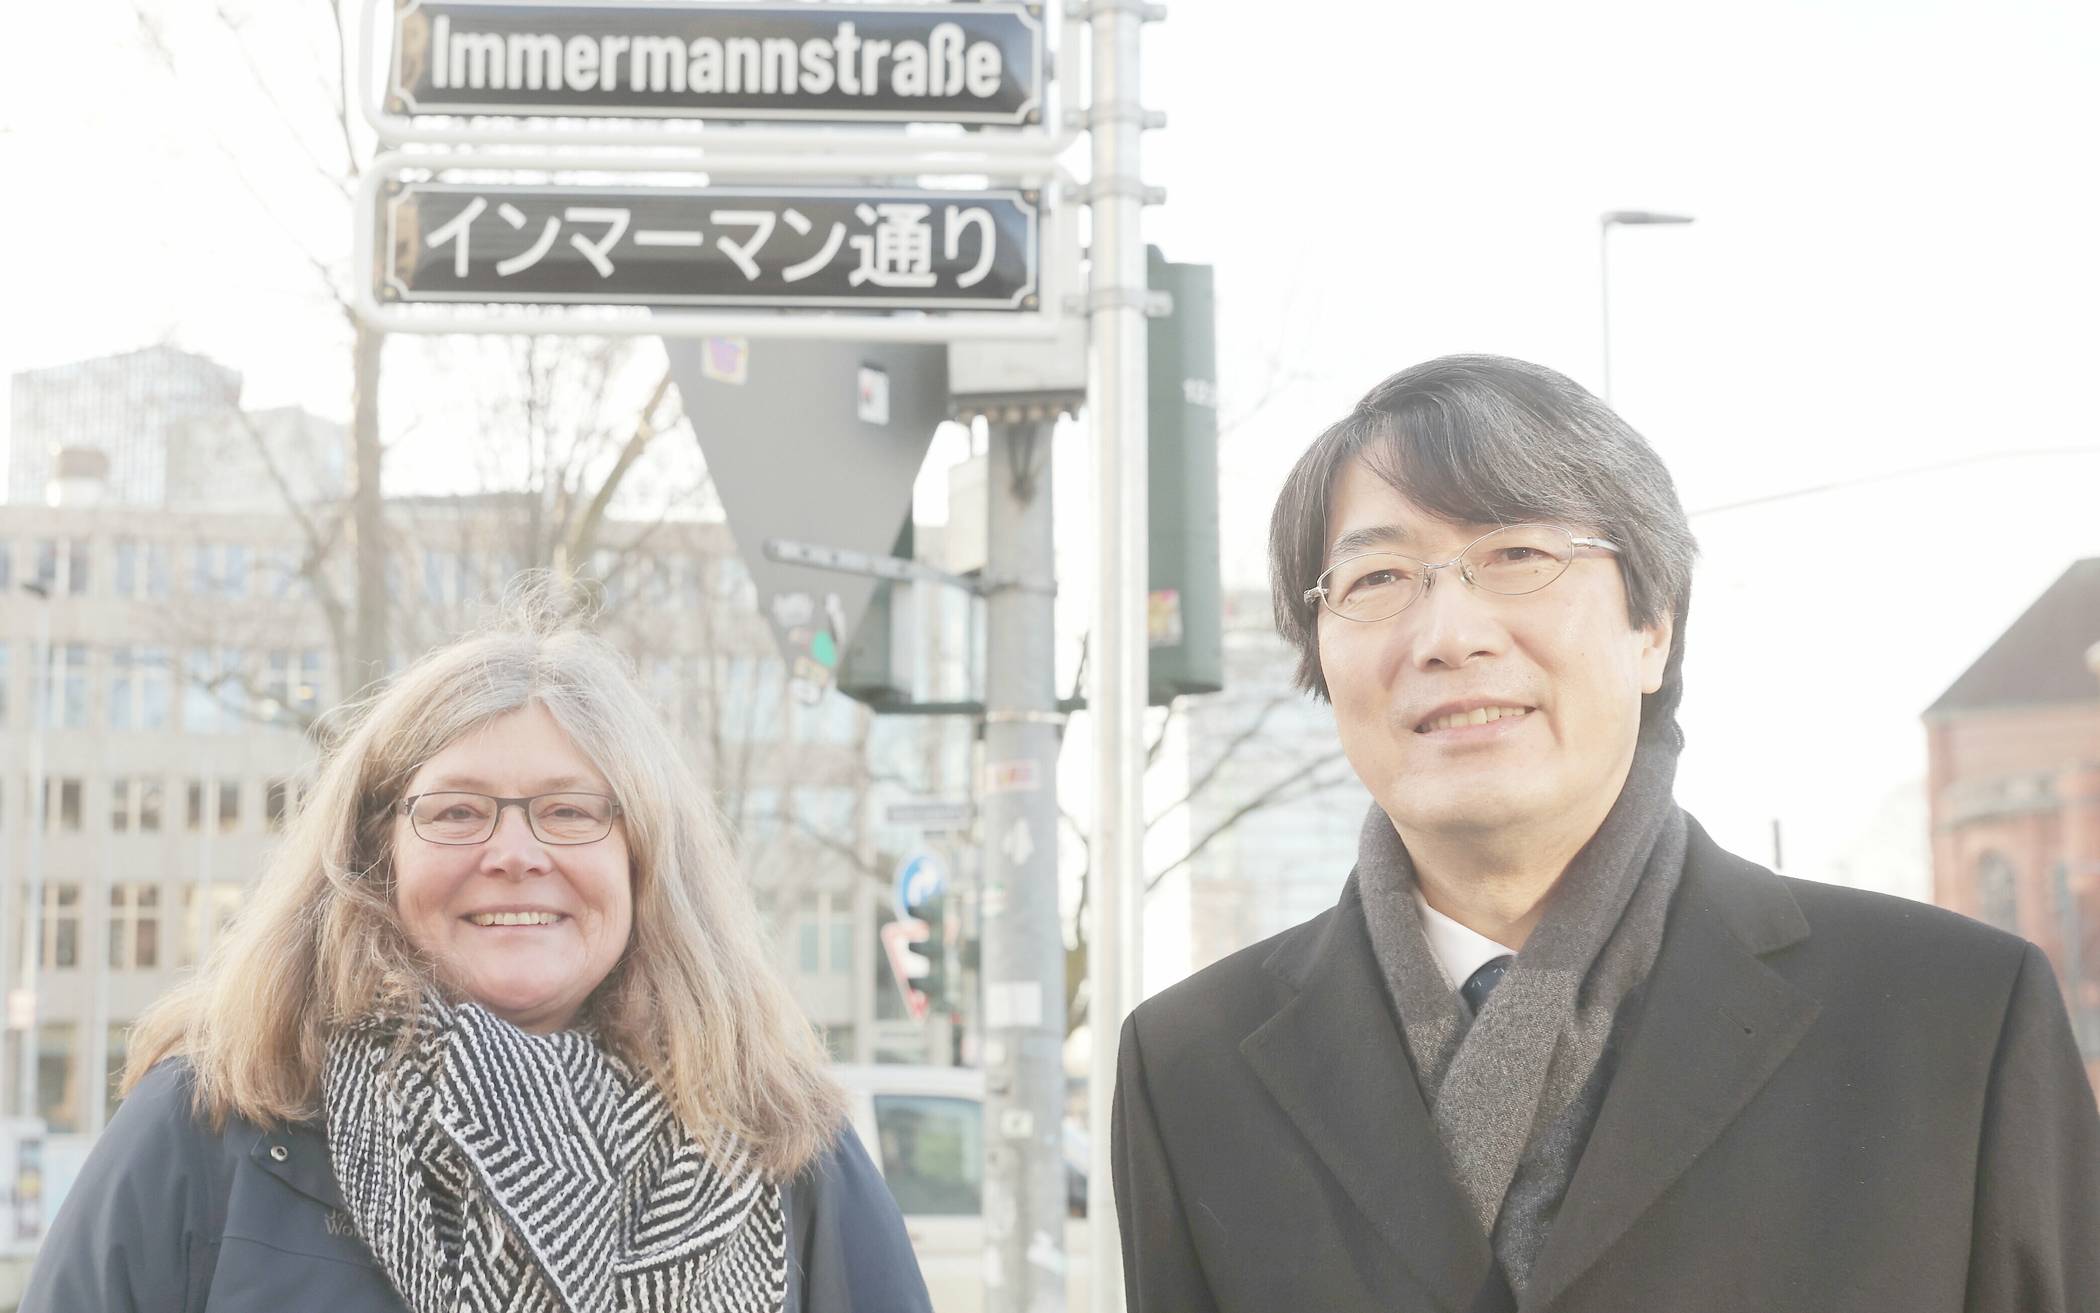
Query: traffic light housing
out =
(936, 949)
(1184, 592)
(876, 666)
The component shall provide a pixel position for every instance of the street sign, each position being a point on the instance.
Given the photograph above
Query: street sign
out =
(852, 248)
(939, 814)
(792, 458)
(977, 63)
(920, 879)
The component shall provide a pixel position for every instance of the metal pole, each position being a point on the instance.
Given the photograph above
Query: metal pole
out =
(1604, 298)
(33, 872)
(1118, 300)
(1023, 945)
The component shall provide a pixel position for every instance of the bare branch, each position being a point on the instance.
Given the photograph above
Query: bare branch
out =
(341, 181)
(158, 44)
(583, 533)
(1224, 758)
(1304, 782)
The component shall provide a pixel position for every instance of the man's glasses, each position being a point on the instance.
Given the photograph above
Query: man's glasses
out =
(554, 818)
(1513, 560)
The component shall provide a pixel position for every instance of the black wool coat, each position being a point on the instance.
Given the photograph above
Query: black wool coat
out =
(170, 1217)
(1831, 1101)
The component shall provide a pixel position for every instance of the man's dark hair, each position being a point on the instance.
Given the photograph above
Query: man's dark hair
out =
(1490, 440)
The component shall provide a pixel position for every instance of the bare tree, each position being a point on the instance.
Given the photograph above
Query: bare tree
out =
(1299, 777)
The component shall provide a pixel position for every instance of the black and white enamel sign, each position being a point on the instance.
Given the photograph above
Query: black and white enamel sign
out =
(732, 247)
(841, 63)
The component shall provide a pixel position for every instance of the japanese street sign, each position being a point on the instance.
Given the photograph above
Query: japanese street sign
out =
(852, 63)
(921, 878)
(932, 813)
(793, 456)
(836, 248)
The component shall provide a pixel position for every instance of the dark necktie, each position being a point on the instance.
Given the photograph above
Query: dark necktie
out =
(1482, 982)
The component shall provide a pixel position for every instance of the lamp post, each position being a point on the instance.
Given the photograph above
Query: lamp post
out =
(1605, 222)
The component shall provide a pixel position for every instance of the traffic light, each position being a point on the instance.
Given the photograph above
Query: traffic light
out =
(1184, 590)
(876, 667)
(937, 950)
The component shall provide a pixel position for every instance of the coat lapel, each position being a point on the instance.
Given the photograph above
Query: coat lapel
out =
(1716, 1024)
(1334, 1060)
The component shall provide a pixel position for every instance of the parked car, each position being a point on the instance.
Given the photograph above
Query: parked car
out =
(924, 1127)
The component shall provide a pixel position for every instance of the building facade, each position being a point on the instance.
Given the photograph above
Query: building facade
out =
(128, 406)
(2014, 782)
(186, 657)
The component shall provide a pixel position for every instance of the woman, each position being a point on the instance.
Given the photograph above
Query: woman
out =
(496, 1031)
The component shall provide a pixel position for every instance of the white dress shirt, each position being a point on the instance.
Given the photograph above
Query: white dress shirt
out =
(1458, 950)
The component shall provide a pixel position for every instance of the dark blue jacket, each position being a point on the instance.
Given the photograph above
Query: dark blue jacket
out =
(167, 1215)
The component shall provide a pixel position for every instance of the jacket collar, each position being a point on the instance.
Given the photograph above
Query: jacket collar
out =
(297, 1156)
(1334, 1059)
(1717, 1022)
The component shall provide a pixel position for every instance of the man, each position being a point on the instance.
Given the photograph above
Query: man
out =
(1554, 1049)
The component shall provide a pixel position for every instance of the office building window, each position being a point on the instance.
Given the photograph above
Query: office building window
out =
(214, 690)
(6, 670)
(281, 577)
(206, 911)
(119, 805)
(58, 1077)
(229, 806)
(219, 569)
(77, 576)
(139, 688)
(63, 688)
(60, 931)
(278, 799)
(448, 577)
(292, 684)
(135, 803)
(63, 565)
(134, 926)
(824, 935)
(128, 567)
(306, 692)
(62, 804)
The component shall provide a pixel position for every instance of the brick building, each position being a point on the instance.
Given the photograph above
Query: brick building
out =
(2014, 778)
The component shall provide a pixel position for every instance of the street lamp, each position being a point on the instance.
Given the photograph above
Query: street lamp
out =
(1630, 218)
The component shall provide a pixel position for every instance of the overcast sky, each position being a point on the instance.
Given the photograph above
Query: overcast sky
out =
(1893, 266)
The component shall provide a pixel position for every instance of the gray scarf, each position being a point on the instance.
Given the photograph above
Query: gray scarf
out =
(491, 1169)
(1515, 1091)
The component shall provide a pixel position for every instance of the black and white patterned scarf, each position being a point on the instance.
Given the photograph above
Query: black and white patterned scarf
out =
(488, 1168)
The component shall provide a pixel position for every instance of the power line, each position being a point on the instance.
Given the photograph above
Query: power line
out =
(2089, 449)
